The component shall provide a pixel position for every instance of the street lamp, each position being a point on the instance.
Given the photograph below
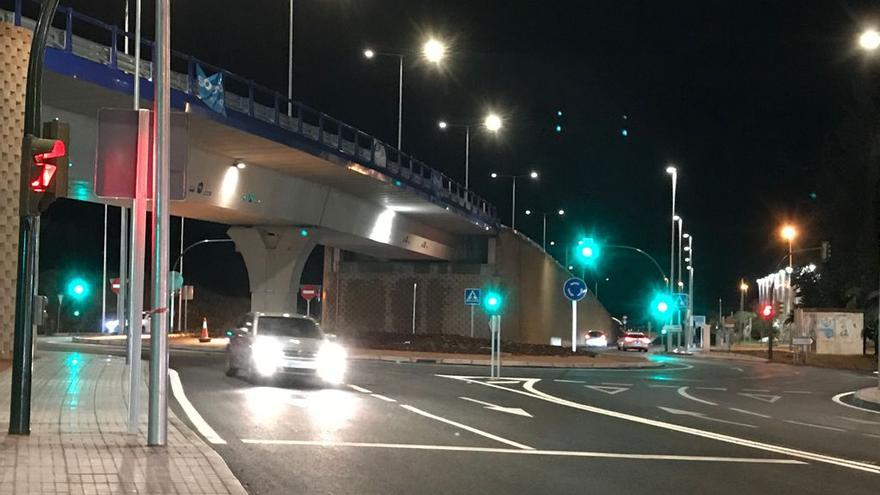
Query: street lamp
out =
(433, 51)
(671, 170)
(492, 123)
(531, 175)
(559, 212)
(869, 40)
(743, 289)
(788, 232)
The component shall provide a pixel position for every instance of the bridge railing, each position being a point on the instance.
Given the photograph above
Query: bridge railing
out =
(103, 43)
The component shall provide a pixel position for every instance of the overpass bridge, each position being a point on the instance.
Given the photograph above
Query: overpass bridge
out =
(310, 179)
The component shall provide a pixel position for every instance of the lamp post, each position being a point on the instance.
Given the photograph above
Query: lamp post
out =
(559, 212)
(433, 51)
(681, 235)
(671, 170)
(492, 123)
(531, 175)
(743, 289)
(789, 232)
(689, 314)
(869, 41)
(289, 63)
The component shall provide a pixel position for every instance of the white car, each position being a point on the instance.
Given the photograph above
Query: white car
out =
(634, 340)
(595, 338)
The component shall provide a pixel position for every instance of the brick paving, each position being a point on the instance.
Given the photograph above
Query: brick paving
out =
(79, 442)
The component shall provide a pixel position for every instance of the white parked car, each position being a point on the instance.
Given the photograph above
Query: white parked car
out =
(595, 338)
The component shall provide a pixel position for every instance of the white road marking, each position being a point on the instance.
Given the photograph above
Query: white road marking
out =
(838, 399)
(360, 389)
(560, 453)
(681, 412)
(762, 397)
(872, 435)
(382, 397)
(607, 390)
(531, 391)
(569, 381)
(755, 390)
(682, 391)
(494, 407)
(862, 421)
(466, 427)
(749, 412)
(720, 389)
(796, 392)
(618, 384)
(194, 417)
(663, 386)
(811, 425)
(503, 382)
(739, 369)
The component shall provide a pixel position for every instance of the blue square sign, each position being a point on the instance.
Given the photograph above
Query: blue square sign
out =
(472, 297)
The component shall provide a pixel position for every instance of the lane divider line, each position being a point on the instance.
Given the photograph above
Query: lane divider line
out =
(872, 435)
(861, 421)
(618, 384)
(663, 386)
(811, 425)
(682, 391)
(796, 392)
(569, 381)
(382, 397)
(194, 417)
(359, 389)
(531, 391)
(755, 390)
(719, 389)
(560, 453)
(750, 412)
(466, 427)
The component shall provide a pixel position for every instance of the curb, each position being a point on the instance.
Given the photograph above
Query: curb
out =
(860, 398)
(729, 356)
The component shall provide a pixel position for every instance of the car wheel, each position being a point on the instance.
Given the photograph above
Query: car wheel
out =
(230, 369)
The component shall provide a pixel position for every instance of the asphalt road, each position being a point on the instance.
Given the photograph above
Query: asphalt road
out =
(692, 426)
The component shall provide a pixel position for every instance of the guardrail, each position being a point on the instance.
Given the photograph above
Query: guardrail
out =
(247, 97)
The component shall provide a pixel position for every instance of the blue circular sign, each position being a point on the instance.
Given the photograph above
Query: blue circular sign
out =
(574, 289)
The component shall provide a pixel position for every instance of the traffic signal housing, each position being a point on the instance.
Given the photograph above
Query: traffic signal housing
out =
(45, 166)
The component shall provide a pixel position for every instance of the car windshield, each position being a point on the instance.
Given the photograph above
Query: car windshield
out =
(635, 335)
(289, 327)
(594, 334)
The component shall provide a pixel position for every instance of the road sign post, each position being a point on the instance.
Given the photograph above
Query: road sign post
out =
(472, 297)
(309, 292)
(493, 302)
(574, 290)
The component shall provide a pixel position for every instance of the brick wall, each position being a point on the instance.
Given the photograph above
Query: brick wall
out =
(14, 47)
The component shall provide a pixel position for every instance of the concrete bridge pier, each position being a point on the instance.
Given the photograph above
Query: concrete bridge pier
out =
(275, 257)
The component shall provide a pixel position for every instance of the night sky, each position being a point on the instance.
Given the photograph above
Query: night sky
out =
(740, 95)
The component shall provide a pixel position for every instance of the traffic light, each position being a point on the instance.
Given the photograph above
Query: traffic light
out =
(588, 251)
(78, 289)
(493, 301)
(767, 312)
(661, 306)
(826, 250)
(45, 165)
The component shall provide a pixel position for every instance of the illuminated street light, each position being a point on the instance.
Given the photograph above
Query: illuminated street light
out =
(369, 53)
(531, 175)
(544, 214)
(492, 122)
(434, 51)
(442, 124)
(789, 232)
(869, 40)
(671, 170)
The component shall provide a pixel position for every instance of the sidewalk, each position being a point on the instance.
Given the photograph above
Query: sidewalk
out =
(396, 356)
(79, 445)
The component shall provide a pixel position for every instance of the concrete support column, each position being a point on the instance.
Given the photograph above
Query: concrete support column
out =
(275, 257)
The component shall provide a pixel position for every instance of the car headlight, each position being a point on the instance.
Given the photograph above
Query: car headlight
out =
(331, 362)
(267, 355)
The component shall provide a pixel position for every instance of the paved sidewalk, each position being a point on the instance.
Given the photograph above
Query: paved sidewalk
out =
(79, 445)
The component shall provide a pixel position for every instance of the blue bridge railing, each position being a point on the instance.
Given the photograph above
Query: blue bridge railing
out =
(103, 43)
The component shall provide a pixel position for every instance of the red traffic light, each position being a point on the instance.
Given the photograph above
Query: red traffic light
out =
(767, 311)
(46, 150)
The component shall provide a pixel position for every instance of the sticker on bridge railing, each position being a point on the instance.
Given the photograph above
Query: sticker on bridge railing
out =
(211, 90)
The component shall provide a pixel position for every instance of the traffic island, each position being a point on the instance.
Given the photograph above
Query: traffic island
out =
(593, 360)
(868, 398)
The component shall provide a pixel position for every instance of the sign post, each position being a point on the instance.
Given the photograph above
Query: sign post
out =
(574, 290)
(472, 297)
(492, 304)
(309, 292)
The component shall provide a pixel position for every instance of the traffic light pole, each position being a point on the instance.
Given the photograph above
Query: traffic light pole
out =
(28, 236)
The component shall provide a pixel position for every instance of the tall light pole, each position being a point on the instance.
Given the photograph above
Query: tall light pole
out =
(671, 170)
(689, 315)
(531, 175)
(559, 212)
(743, 289)
(290, 63)
(491, 123)
(869, 41)
(680, 221)
(433, 51)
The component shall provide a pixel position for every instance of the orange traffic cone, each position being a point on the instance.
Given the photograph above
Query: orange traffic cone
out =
(203, 336)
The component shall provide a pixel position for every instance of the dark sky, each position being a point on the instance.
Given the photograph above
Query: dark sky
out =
(739, 94)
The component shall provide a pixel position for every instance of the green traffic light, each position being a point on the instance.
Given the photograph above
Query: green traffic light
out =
(76, 313)
(492, 302)
(661, 306)
(588, 251)
(78, 289)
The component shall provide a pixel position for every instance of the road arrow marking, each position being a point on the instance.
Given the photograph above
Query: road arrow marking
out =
(503, 382)
(494, 407)
(608, 390)
(763, 397)
(703, 416)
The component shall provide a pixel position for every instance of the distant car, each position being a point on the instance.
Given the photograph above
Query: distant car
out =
(634, 340)
(595, 338)
(264, 345)
(112, 326)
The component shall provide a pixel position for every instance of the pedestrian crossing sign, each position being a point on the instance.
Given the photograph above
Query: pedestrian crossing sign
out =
(473, 297)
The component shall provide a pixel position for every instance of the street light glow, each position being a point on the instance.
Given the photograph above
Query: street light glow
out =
(369, 53)
(533, 175)
(670, 170)
(561, 212)
(528, 212)
(240, 165)
(743, 286)
(493, 175)
(869, 40)
(492, 122)
(434, 51)
(788, 232)
(442, 124)
(685, 235)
